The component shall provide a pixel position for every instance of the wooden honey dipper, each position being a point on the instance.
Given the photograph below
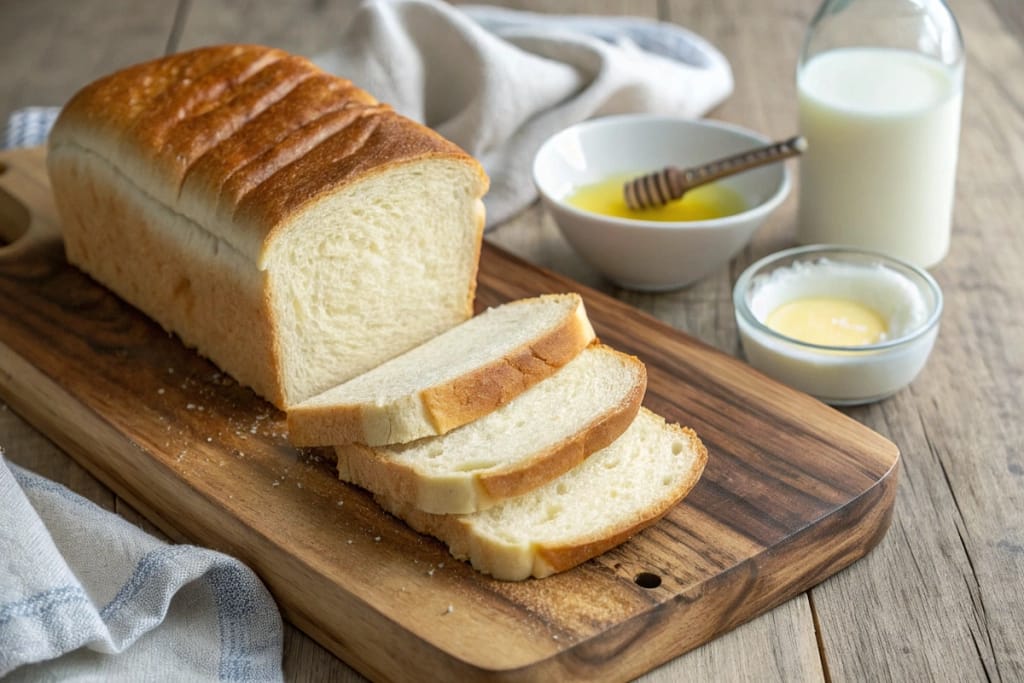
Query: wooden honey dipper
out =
(670, 183)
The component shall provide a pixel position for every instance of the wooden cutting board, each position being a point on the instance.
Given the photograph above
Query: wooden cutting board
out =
(793, 491)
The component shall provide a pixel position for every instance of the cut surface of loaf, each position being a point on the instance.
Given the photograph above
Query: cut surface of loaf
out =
(278, 219)
(537, 436)
(452, 379)
(609, 497)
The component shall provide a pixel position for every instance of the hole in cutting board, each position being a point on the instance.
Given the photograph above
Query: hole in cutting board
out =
(647, 580)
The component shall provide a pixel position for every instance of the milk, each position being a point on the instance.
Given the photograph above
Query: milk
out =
(882, 127)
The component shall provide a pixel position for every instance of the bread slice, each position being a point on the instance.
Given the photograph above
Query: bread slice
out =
(277, 218)
(450, 380)
(599, 504)
(537, 436)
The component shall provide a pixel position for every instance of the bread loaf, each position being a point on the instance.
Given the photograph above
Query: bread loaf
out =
(590, 509)
(277, 218)
(450, 380)
(537, 436)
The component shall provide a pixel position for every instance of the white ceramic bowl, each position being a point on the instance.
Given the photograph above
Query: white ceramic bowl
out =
(653, 255)
(906, 296)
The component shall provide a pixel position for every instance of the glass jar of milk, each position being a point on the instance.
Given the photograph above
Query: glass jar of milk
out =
(880, 84)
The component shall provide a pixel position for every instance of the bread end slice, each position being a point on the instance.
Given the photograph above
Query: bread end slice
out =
(613, 495)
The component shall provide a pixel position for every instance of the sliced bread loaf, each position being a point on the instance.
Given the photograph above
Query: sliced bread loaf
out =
(597, 505)
(455, 378)
(545, 431)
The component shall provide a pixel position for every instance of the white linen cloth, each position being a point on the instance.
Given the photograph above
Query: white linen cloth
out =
(499, 82)
(86, 595)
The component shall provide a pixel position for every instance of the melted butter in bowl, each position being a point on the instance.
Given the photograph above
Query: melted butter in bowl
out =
(579, 173)
(844, 325)
(702, 203)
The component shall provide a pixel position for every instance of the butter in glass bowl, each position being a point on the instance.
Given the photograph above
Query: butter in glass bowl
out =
(845, 325)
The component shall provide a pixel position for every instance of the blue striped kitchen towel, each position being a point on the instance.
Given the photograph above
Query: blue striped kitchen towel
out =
(29, 127)
(86, 595)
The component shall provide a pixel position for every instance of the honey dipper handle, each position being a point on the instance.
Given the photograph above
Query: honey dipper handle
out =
(744, 161)
(670, 183)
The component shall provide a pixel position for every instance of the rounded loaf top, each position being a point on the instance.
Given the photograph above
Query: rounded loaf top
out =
(239, 138)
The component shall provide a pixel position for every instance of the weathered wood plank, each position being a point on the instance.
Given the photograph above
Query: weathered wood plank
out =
(954, 564)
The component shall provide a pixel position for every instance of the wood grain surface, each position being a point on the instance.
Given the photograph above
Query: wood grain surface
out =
(794, 491)
(939, 598)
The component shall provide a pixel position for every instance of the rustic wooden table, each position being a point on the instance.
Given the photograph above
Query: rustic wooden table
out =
(942, 596)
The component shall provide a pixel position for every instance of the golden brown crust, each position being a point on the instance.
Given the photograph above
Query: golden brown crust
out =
(180, 115)
(242, 98)
(376, 140)
(121, 98)
(142, 106)
(236, 165)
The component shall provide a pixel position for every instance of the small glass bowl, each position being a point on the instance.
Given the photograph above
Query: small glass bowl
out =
(907, 296)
